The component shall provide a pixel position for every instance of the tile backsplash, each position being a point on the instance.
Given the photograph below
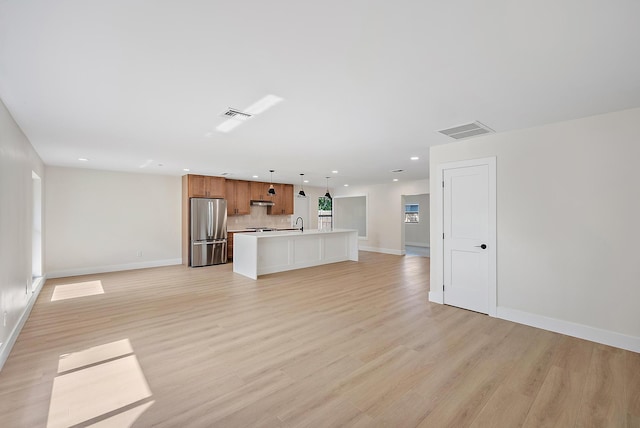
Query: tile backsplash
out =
(258, 218)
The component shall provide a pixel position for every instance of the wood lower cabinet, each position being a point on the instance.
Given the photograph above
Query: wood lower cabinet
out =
(230, 246)
(238, 197)
(202, 186)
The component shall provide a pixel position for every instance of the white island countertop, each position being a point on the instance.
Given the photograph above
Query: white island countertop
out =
(260, 253)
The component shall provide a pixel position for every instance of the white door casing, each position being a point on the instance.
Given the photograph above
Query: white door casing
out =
(468, 223)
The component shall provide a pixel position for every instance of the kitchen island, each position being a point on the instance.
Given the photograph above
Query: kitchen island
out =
(261, 253)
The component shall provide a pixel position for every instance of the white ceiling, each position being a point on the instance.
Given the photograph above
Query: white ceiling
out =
(366, 83)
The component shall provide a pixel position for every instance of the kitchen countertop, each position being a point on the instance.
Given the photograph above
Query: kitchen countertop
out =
(251, 231)
(295, 232)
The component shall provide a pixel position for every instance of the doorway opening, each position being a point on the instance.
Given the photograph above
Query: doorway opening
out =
(325, 213)
(415, 225)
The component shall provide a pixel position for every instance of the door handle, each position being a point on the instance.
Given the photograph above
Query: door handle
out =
(483, 246)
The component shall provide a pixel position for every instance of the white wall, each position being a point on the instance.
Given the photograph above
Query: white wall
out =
(350, 212)
(386, 213)
(568, 228)
(18, 160)
(418, 233)
(98, 221)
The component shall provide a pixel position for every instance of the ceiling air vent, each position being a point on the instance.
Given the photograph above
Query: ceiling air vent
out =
(232, 113)
(468, 130)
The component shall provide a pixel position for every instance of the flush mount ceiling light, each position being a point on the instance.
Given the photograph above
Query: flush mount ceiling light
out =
(186, 169)
(83, 159)
(236, 117)
(328, 195)
(414, 158)
(301, 192)
(334, 172)
(271, 191)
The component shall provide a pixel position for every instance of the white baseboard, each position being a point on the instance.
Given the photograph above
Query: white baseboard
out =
(581, 331)
(5, 348)
(113, 268)
(417, 244)
(382, 250)
(436, 296)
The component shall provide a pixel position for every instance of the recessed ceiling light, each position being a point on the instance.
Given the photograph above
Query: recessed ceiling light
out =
(334, 171)
(306, 181)
(395, 179)
(255, 176)
(345, 185)
(186, 169)
(414, 158)
(83, 159)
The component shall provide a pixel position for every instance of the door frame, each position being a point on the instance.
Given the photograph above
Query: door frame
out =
(437, 294)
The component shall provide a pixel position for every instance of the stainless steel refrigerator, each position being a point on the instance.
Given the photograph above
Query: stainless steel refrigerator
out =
(208, 231)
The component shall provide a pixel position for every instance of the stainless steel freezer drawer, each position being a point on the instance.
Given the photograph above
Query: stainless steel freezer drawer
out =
(205, 253)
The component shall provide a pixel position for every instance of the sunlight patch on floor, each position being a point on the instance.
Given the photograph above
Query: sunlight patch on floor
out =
(94, 355)
(124, 419)
(79, 289)
(101, 384)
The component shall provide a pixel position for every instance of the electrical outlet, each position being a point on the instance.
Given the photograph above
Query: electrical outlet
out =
(139, 253)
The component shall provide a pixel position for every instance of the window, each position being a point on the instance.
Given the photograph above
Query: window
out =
(412, 213)
(325, 218)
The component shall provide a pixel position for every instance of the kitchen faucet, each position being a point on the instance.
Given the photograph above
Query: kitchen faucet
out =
(302, 228)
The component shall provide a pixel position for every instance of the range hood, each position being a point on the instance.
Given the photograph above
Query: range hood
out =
(263, 203)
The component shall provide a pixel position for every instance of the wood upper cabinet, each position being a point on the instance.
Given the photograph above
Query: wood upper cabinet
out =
(202, 186)
(238, 197)
(259, 191)
(283, 200)
(287, 199)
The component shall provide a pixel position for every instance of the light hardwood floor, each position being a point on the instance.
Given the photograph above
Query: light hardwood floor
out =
(349, 344)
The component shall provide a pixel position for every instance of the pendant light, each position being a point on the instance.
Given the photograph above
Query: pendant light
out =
(301, 192)
(328, 195)
(271, 191)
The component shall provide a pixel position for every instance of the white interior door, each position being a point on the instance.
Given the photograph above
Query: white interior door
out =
(469, 236)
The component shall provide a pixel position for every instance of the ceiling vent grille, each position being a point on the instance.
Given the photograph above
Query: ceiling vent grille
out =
(468, 130)
(232, 113)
